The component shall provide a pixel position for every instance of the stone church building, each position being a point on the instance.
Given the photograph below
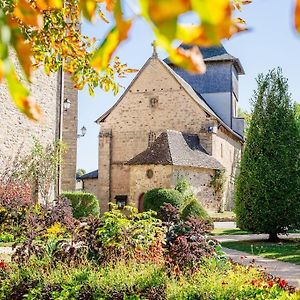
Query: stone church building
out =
(170, 125)
(17, 131)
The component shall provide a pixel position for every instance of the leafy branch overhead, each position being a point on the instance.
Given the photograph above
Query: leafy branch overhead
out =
(47, 33)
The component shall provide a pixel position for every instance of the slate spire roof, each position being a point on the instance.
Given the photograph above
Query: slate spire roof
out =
(178, 149)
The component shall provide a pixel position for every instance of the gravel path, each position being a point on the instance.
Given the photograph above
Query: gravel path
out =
(287, 271)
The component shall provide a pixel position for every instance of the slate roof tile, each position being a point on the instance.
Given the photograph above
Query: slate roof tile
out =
(178, 149)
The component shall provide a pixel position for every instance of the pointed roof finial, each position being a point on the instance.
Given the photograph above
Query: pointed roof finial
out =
(154, 53)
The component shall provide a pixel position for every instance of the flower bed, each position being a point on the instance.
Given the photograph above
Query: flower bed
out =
(127, 255)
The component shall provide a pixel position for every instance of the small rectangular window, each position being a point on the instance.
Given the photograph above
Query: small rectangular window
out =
(121, 201)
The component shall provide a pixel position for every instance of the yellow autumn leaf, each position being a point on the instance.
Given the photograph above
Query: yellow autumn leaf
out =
(191, 59)
(1, 70)
(297, 16)
(88, 8)
(119, 33)
(215, 16)
(49, 4)
(27, 14)
(103, 54)
(20, 96)
(131, 70)
(212, 11)
(194, 35)
(109, 4)
(24, 53)
(161, 11)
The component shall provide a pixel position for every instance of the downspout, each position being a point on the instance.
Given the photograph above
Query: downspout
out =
(60, 126)
(110, 166)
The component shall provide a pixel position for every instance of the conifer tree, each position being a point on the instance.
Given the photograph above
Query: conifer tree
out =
(267, 189)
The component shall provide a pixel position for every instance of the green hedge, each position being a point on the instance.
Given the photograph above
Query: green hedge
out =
(83, 204)
(155, 198)
(194, 209)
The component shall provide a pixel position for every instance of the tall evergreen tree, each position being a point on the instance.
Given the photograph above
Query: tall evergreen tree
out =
(267, 189)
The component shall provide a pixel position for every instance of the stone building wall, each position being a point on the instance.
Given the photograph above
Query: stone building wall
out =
(155, 102)
(227, 150)
(200, 181)
(132, 120)
(90, 186)
(69, 136)
(140, 183)
(16, 130)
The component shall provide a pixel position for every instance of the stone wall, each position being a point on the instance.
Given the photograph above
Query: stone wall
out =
(140, 183)
(227, 150)
(69, 136)
(17, 131)
(200, 181)
(90, 186)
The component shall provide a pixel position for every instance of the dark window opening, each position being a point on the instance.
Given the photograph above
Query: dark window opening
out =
(121, 201)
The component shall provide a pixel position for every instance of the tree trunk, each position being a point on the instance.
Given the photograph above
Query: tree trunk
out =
(273, 237)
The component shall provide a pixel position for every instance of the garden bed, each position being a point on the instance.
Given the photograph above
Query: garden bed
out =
(215, 279)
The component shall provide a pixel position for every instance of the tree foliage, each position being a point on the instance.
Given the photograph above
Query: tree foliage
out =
(267, 188)
(43, 32)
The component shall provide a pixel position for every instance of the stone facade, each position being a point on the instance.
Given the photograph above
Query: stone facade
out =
(90, 186)
(167, 177)
(200, 181)
(157, 101)
(69, 136)
(140, 182)
(17, 132)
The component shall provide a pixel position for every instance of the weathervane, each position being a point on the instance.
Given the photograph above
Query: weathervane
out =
(154, 54)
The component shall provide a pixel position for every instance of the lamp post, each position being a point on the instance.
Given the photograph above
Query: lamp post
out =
(67, 104)
(83, 132)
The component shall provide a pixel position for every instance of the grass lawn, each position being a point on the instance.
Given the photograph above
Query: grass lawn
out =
(287, 250)
(224, 216)
(228, 231)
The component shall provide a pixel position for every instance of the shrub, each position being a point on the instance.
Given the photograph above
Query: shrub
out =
(115, 281)
(44, 230)
(83, 204)
(117, 235)
(155, 198)
(6, 237)
(186, 242)
(195, 210)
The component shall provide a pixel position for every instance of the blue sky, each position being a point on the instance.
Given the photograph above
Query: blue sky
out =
(270, 42)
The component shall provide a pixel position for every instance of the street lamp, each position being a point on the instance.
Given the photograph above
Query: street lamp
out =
(83, 132)
(67, 104)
